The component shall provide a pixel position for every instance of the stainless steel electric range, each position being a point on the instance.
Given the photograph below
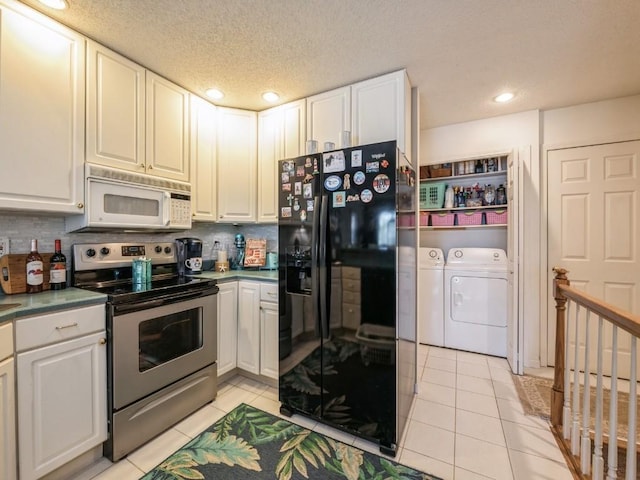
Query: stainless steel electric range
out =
(161, 337)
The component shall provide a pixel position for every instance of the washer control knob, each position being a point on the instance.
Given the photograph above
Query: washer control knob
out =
(105, 251)
(158, 249)
(458, 253)
(91, 253)
(433, 253)
(167, 250)
(496, 254)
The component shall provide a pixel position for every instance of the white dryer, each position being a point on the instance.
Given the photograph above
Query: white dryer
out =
(431, 296)
(475, 293)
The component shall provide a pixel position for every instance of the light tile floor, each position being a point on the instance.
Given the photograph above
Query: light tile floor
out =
(466, 424)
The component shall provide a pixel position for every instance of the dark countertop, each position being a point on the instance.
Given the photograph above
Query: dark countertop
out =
(22, 305)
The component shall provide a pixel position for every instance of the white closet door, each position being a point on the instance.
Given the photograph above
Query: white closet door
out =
(594, 232)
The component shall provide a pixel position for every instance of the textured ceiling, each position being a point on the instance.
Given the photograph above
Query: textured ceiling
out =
(460, 53)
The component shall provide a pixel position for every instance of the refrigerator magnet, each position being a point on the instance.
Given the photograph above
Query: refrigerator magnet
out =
(297, 188)
(333, 162)
(303, 215)
(381, 183)
(307, 162)
(353, 198)
(372, 167)
(309, 205)
(346, 181)
(307, 190)
(384, 163)
(358, 178)
(300, 171)
(338, 199)
(286, 187)
(366, 195)
(332, 182)
(356, 158)
(286, 212)
(285, 177)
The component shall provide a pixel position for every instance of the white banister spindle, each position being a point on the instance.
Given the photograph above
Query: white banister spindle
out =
(612, 458)
(585, 439)
(631, 438)
(575, 404)
(566, 408)
(598, 462)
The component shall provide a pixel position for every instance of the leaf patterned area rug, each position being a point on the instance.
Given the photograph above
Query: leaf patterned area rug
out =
(249, 444)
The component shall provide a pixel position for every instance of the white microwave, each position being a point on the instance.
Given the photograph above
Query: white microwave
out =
(119, 200)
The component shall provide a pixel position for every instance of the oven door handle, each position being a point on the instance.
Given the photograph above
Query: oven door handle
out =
(159, 302)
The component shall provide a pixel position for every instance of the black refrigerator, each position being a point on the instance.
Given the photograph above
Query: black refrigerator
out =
(347, 289)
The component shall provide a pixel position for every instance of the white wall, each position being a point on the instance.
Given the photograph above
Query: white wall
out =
(497, 135)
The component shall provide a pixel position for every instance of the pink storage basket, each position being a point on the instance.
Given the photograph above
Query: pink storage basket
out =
(442, 219)
(406, 220)
(470, 218)
(424, 219)
(496, 217)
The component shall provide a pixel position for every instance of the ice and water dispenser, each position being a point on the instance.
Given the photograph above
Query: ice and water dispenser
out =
(298, 269)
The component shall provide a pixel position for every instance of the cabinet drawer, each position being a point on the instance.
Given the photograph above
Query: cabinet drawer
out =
(58, 326)
(6, 340)
(351, 273)
(351, 316)
(269, 292)
(351, 297)
(351, 286)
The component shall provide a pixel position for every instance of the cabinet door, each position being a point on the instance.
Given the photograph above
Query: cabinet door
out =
(270, 147)
(62, 395)
(167, 128)
(269, 366)
(381, 111)
(7, 421)
(41, 112)
(237, 138)
(115, 110)
(227, 326)
(203, 160)
(294, 129)
(249, 326)
(328, 115)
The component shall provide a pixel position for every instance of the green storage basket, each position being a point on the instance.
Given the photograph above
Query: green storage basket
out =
(431, 195)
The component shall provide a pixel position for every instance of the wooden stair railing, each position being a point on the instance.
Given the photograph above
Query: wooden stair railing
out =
(570, 414)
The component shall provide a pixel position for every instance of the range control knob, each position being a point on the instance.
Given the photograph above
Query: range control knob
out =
(105, 251)
(167, 250)
(91, 252)
(158, 249)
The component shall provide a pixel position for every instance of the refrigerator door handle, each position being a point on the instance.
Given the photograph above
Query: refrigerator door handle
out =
(322, 267)
(315, 278)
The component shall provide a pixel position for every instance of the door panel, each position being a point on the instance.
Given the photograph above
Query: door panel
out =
(593, 233)
(515, 332)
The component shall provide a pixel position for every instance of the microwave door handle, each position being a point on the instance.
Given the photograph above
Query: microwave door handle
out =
(166, 209)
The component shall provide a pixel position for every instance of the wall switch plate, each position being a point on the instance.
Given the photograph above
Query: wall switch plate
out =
(4, 246)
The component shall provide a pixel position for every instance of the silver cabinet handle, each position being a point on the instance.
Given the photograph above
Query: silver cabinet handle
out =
(272, 294)
(75, 324)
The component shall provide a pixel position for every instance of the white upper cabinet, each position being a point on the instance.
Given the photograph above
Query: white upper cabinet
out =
(328, 115)
(136, 120)
(42, 88)
(203, 160)
(115, 110)
(281, 134)
(381, 111)
(167, 127)
(237, 165)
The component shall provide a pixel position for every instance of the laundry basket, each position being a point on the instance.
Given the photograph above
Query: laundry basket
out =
(377, 344)
(431, 195)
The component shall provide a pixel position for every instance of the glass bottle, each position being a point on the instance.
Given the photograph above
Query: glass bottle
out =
(58, 269)
(501, 195)
(35, 269)
(489, 195)
(478, 166)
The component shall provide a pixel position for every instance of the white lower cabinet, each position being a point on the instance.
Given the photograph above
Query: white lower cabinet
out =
(256, 327)
(62, 388)
(249, 326)
(7, 405)
(227, 326)
(269, 366)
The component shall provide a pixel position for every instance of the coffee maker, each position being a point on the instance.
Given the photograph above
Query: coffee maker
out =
(189, 256)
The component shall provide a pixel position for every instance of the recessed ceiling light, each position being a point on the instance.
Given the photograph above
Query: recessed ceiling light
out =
(504, 97)
(214, 93)
(57, 4)
(271, 96)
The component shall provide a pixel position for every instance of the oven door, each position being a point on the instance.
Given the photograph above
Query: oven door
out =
(155, 347)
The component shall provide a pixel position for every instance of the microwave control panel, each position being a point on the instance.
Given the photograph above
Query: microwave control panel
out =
(180, 210)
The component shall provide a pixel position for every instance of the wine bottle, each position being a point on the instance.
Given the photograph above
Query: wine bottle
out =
(35, 269)
(58, 269)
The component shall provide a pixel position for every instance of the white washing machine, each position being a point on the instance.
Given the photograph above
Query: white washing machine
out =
(431, 296)
(475, 299)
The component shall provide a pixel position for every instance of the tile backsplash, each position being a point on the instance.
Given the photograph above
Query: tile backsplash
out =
(21, 228)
